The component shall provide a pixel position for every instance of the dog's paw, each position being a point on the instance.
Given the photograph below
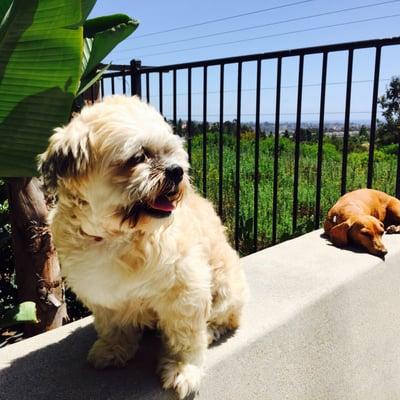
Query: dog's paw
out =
(104, 354)
(393, 229)
(183, 378)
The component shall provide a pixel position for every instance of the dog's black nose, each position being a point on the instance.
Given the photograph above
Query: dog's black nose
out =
(174, 172)
(383, 252)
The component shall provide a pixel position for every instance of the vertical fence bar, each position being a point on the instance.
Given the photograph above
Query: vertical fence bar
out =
(297, 144)
(276, 150)
(221, 141)
(92, 92)
(347, 122)
(205, 131)
(102, 88)
(136, 80)
(320, 141)
(189, 122)
(398, 172)
(123, 81)
(237, 176)
(174, 97)
(148, 87)
(373, 118)
(133, 78)
(112, 85)
(160, 91)
(256, 156)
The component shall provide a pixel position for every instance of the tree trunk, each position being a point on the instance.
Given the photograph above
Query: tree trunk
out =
(37, 268)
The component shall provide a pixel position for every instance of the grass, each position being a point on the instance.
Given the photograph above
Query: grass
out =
(384, 179)
(385, 167)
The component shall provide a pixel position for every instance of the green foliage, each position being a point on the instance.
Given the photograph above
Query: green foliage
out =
(385, 176)
(44, 60)
(101, 36)
(22, 313)
(49, 53)
(388, 131)
(39, 74)
(4, 7)
(384, 166)
(390, 149)
(104, 33)
(8, 292)
(363, 133)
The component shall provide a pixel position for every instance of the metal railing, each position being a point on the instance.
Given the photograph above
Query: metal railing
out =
(135, 74)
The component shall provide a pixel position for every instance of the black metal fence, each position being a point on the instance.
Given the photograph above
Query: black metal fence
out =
(137, 79)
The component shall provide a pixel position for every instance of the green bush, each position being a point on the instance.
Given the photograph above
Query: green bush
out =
(384, 179)
(385, 165)
(8, 297)
(390, 149)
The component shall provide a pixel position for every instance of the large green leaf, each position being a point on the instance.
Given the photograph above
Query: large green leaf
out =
(40, 65)
(102, 35)
(23, 313)
(4, 6)
(91, 79)
(86, 7)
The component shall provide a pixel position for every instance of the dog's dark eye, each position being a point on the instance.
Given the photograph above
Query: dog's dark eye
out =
(135, 160)
(140, 158)
(366, 234)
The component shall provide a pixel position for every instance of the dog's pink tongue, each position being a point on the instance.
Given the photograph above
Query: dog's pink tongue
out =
(163, 204)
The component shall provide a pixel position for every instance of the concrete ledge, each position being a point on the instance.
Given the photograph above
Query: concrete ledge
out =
(322, 323)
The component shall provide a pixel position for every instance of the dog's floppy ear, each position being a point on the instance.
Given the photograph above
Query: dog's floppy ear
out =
(67, 155)
(339, 233)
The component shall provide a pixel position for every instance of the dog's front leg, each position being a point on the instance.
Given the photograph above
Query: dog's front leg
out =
(116, 343)
(393, 229)
(184, 328)
(393, 216)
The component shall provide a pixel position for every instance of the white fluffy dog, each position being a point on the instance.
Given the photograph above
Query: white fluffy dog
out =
(137, 244)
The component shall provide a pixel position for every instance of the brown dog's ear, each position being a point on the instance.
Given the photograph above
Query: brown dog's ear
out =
(338, 233)
(67, 155)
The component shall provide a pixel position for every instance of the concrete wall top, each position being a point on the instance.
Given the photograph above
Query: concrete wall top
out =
(322, 323)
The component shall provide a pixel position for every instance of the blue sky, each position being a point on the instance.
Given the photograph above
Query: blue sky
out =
(155, 16)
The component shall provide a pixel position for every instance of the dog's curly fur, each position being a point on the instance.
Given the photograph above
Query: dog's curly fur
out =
(133, 262)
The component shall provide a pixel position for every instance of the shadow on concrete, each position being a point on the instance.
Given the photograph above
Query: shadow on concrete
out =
(60, 372)
(224, 338)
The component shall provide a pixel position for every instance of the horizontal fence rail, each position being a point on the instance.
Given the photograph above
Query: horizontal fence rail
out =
(219, 155)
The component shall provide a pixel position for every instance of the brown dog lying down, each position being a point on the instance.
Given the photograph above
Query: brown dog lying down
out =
(361, 217)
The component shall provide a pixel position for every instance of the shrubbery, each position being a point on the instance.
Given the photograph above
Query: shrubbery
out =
(385, 164)
(8, 292)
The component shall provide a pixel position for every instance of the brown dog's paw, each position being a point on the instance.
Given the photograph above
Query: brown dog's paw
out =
(393, 229)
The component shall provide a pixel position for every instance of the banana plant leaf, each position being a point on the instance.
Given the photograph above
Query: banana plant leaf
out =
(92, 79)
(86, 7)
(45, 61)
(41, 45)
(23, 313)
(101, 36)
(4, 6)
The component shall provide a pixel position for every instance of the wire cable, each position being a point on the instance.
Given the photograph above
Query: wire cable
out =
(270, 36)
(211, 21)
(260, 26)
